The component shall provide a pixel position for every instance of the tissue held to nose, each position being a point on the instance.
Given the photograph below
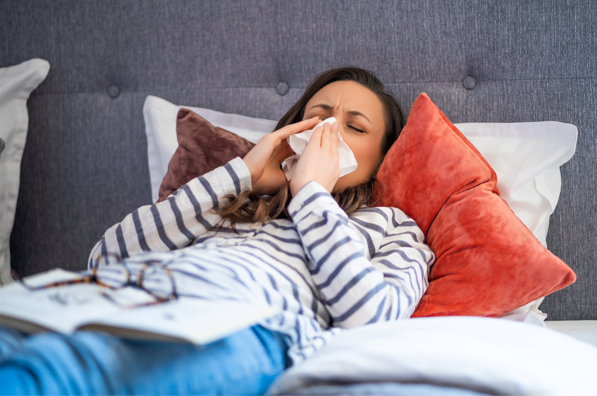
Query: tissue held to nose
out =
(298, 142)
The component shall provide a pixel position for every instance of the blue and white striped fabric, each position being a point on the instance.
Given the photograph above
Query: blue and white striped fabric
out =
(323, 270)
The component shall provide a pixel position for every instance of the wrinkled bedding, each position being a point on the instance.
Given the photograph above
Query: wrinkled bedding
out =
(483, 355)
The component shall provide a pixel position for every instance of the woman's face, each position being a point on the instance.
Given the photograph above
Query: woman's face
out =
(360, 117)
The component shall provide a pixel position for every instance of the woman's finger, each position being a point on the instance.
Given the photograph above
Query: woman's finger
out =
(334, 138)
(291, 129)
(326, 137)
(316, 137)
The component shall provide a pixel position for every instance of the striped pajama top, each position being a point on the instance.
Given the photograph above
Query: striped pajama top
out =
(323, 270)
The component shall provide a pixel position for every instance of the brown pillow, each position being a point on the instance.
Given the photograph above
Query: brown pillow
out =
(202, 147)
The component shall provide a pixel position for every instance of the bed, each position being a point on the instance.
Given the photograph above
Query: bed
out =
(85, 162)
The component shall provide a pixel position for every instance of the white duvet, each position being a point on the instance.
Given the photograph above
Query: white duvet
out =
(495, 356)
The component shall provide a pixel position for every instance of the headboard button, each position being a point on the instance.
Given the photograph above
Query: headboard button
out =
(469, 82)
(114, 91)
(282, 88)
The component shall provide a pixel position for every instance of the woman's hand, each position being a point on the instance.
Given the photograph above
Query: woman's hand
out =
(265, 158)
(319, 161)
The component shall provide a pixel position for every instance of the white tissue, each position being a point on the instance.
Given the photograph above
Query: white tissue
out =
(298, 143)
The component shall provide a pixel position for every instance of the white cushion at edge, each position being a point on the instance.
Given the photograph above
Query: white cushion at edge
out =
(489, 355)
(16, 84)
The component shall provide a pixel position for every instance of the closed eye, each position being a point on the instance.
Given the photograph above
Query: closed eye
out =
(358, 130)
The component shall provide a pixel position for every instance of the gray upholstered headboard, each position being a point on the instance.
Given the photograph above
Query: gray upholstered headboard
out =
(85, 163)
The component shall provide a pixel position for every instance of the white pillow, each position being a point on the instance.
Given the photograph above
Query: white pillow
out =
(488, 355)
(16, 83)
(526, 157)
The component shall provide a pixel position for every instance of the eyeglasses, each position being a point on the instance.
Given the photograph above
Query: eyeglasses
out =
(154, 278)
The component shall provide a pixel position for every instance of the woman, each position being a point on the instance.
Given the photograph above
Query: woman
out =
(235, 232)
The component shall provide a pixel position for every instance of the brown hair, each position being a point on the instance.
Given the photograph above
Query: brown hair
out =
(249, 207)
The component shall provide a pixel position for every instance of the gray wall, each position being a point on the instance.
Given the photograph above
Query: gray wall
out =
(85, 163)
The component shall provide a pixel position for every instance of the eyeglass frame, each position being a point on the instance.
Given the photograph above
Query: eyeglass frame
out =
(92, 278)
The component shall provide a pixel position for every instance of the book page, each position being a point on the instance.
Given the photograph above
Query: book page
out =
(186, 319)
(59, 309)
(84, 306)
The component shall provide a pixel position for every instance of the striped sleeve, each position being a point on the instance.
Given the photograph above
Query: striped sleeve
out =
(354, 289)
(175, 222)
(405, 260)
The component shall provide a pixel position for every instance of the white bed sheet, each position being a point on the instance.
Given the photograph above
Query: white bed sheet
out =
(492, 356)
(583, 330)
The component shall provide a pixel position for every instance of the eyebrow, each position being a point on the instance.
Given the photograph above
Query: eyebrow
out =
(351, 112)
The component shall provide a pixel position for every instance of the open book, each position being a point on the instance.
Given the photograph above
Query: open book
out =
(83, 307)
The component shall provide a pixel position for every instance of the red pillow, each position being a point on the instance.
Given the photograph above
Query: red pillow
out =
(202, 147)
(487, 262)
